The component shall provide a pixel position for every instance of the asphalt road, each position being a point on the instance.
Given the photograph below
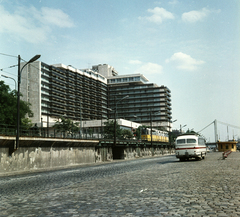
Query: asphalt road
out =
(160, 186)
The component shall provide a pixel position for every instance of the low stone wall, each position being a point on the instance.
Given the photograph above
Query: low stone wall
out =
(31, 159)
(35, 154)
(130, 153)
(103, 154)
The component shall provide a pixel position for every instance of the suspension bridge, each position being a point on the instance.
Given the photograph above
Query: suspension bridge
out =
(215, 123)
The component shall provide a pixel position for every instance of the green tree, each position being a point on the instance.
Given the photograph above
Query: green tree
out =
(109, 130)
(192, 132)
(120, 133)
(8, 107)
(66, 126)
(126, 134)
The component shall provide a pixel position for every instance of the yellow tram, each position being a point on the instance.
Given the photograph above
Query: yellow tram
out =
(157, 135)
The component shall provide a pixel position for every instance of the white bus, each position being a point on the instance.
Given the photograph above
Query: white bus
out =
(190, 146)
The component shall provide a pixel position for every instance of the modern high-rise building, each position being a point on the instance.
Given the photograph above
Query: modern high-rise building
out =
(89, 94)
(60, 90)
(146, 102)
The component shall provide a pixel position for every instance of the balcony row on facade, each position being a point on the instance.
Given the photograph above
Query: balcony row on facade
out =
(86, 94)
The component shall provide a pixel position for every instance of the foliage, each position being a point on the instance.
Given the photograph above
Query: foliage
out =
(66, 126)
(88, 131)
(139, 132)
(192, 132)
(126, 134)
(8, 107)
(27, 123)
(109, 130)
(120, 133)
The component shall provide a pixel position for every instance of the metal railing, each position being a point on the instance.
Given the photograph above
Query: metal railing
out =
(10, 130)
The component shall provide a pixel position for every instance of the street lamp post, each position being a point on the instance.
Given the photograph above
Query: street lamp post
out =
(115, 121)
(151, 124)
(132, 126)
(181, 127)
(101, 122)
(12, 79)
(18, 93)
(170, 133)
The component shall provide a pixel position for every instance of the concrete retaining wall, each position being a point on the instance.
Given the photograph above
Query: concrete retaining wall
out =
(130, 153)
(31, 159)
(36, 154)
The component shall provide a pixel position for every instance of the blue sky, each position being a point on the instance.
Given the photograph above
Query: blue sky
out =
(192, 47)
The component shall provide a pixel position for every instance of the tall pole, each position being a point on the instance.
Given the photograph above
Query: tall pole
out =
(115, 119)
(115, 126)
(151, 126)
(18, 94)
(101, 127)
(215, 130)
(141, 129)
(18, 103)
(81, 128)
(151, 123)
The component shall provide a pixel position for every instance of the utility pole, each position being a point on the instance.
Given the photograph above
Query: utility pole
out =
(215, 131)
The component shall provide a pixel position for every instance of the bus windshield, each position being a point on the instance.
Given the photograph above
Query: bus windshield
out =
(188, 141)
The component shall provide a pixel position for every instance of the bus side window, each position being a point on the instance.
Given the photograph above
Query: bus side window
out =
(180, 141)
(201, 141)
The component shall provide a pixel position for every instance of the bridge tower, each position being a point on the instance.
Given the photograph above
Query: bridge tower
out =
(215, 131)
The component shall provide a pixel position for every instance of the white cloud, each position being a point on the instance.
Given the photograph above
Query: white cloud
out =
(32, 25)
(173, 2)
(56, 17)
(184, 61)
(135, 62)
(194, 16)
(158, 15)
(150, 68)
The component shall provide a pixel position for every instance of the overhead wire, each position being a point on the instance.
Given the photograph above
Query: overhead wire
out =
(8, 55)
(8, 67)
(9, 73)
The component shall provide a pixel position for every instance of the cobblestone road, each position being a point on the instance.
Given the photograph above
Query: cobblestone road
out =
(148, 187)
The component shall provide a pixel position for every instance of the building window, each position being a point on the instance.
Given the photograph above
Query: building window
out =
(226, 146)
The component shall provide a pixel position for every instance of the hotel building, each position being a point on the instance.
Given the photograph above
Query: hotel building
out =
(60, 90)
(147, 102)
(89, 94)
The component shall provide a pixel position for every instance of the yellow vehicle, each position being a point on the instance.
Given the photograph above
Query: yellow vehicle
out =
(157, 135)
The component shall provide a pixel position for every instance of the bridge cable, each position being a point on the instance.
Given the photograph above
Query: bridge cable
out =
(228, 124)
(205, 127)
